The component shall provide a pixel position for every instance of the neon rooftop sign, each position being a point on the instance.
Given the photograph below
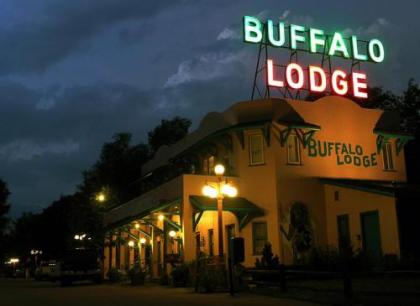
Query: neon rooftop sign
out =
(315, 41)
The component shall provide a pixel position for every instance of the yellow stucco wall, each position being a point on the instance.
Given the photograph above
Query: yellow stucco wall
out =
(354, 202)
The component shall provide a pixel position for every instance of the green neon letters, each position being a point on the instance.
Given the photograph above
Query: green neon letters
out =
(312, 40)
(252, 29)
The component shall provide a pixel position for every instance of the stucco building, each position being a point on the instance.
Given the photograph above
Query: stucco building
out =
(308, 174)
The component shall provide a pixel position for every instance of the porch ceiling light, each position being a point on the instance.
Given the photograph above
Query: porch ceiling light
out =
(209, 191)
(136, 226)
(172, 234)
(131, 243)
(161, 217)
(142, 240)
(219, 169)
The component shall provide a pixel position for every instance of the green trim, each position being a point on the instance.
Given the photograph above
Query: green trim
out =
(304, 137)
(144, 212)
(401, 139)
(197, 218)
(154, 225)
(243, 209)
(266, 131)
(362, 186)
(235, 128)
(173, 224)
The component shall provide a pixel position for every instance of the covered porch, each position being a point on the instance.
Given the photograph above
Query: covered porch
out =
(170, 225)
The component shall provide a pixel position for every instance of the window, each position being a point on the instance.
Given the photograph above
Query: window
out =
(259, 237)
(211, 165)
(293, 150)
(256, 151)
(208, 165)
(387, 156)
(211, 242)
(336, 196)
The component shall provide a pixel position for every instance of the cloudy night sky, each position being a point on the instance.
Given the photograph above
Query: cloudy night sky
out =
(73, 73)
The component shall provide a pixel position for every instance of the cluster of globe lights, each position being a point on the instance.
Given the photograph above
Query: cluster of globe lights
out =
(225, 189)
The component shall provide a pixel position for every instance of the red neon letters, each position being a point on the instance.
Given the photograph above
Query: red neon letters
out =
(339, 82)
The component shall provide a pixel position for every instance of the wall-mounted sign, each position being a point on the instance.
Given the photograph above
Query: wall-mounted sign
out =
(315, 41)
(345, 153)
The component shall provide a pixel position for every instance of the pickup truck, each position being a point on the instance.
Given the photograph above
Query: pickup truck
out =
(80, 264)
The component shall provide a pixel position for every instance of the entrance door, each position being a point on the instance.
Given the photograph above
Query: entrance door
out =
(371, 235)
(230, 233)
(343, 233)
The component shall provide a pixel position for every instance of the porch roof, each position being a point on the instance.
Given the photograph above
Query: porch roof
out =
(136, 209)
(242, 208)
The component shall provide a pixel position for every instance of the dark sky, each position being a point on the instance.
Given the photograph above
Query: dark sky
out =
(73, 73)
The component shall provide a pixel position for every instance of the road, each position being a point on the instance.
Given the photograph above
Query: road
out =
(18, 292)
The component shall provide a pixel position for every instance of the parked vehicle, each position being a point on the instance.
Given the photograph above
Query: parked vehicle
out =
(48, 271)
(80, 264)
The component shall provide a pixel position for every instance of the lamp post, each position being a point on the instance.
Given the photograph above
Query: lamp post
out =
(218, 191)
(35, 254)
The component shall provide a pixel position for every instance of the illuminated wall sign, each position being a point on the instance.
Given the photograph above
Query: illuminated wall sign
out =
(316, 41)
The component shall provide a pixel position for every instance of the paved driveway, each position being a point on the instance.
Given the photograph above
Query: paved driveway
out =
(26, 292)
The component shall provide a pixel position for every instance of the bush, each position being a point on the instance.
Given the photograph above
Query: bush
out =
(211, 279)
(164, 279)
(180, 275)
(137, 275)
(267, 261)
(323, 259)
(114, 275)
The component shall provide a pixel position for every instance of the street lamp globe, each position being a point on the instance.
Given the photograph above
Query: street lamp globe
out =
(219, 169)
(131, 243)
(209, 191)
(229, 190)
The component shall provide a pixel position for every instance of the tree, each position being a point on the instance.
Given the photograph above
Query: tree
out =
(4, 206)
(4, 209)
(168, 132)
(119, 165)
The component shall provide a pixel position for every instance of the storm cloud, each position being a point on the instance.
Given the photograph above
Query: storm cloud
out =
(74, 73)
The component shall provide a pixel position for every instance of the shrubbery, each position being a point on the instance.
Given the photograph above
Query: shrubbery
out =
(180, 275)
(137, 275)
(114, 275)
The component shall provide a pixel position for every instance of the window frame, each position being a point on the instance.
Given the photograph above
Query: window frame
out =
(250, 159)
(254, 238)
(208, 164)
(296, 140)
(387, 157)
(210, 238)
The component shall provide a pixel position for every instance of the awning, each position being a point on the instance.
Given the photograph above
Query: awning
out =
(243, 209)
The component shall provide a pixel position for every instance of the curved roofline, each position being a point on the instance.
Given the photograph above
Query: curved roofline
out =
(241, 113)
